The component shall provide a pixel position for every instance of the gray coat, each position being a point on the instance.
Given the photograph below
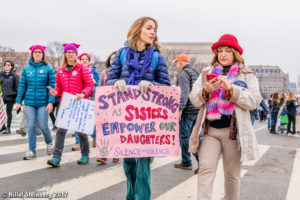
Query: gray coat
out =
(186, 79)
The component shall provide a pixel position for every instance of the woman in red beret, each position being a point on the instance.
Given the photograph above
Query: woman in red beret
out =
(225, 92)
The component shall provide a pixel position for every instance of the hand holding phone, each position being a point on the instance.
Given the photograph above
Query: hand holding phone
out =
(18, 111)
(211, 76)
(52, 91)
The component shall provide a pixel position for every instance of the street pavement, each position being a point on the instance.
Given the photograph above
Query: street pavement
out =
(275, 175)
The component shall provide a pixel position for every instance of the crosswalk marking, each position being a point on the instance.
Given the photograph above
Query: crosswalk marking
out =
(185, 191)
(39, 146)
(84, 187)
(293, 190)
(19, 167)
(112, 176)
(19, 137)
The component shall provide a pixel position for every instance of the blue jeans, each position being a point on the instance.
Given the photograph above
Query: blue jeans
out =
(269, 122)
(186, 126)
(32, 114)
(77, 138)
(274, 118)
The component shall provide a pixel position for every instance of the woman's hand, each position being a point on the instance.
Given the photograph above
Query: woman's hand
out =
(53, 92)
(49, 108)
(211, 85)
(224, 83)
(18, 106)
(80, 96)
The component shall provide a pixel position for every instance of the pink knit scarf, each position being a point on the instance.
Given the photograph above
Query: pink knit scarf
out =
(218, 104)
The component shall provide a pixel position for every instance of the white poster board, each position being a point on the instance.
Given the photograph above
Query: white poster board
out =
(76, 115)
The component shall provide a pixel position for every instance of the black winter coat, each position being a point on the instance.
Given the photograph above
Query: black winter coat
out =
(9, 85)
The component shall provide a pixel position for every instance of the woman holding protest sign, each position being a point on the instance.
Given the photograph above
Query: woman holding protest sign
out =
(35, 78)
(225, 92)
(74, 78)
(133, 65)
(9, 82)
(85, 60)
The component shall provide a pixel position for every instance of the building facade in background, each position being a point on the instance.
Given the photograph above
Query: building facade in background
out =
(271, 79)
(199, 52)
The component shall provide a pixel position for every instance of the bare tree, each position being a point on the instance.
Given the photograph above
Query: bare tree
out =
(96, 61)
(5, 53)
(54, 53)
(170, 55)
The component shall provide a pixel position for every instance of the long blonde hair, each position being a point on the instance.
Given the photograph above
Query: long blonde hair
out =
(133, 35)
(64, 61)
(291, 96)
(237, 56)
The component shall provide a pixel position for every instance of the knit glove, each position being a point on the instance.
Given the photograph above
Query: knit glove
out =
(121, 85)
(143, 86)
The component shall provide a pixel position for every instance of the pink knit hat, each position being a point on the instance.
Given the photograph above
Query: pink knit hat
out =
(34, 47)
(71, 46)
(79, 57)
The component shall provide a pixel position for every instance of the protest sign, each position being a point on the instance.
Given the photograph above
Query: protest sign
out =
(3, 116)
(133, 124)
(76, 115)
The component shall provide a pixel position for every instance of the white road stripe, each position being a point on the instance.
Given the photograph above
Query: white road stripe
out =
(24, 166)
(293, 191)
(18, 137)
(84, 186)
(24, 147)
(188, 188)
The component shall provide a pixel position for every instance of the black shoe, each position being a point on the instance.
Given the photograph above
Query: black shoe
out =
(20, 132)
(3, 128)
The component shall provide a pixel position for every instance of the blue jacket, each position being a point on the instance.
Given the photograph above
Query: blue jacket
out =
(95, 76)
(159, 76)
(33, 85)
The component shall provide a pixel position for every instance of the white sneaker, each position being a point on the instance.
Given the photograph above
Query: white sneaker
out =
(49, 148)
(29, 155)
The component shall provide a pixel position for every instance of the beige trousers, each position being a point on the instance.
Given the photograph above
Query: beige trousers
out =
(215, 143)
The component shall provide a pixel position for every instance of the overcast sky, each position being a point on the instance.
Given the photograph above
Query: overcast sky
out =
(268, 30)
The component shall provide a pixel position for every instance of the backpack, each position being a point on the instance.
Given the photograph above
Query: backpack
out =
(154, 58)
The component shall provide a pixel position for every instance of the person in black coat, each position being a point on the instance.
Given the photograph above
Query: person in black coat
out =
(291, 106)
(9, 81)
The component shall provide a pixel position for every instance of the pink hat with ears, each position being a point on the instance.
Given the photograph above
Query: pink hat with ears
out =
(79, 57)
(34, 47)
(71, 46)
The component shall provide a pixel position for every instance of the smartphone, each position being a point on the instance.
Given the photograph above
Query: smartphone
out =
(18, 111)
(211, 76)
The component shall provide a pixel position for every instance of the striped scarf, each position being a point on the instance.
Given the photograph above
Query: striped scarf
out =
(218, 104)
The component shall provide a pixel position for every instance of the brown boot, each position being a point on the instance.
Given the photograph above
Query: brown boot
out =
(181, 166)
(76, 147)
(94, 142)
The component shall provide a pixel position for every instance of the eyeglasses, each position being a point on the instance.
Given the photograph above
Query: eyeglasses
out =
(37, 52)
(70, 52)
(8, 65)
